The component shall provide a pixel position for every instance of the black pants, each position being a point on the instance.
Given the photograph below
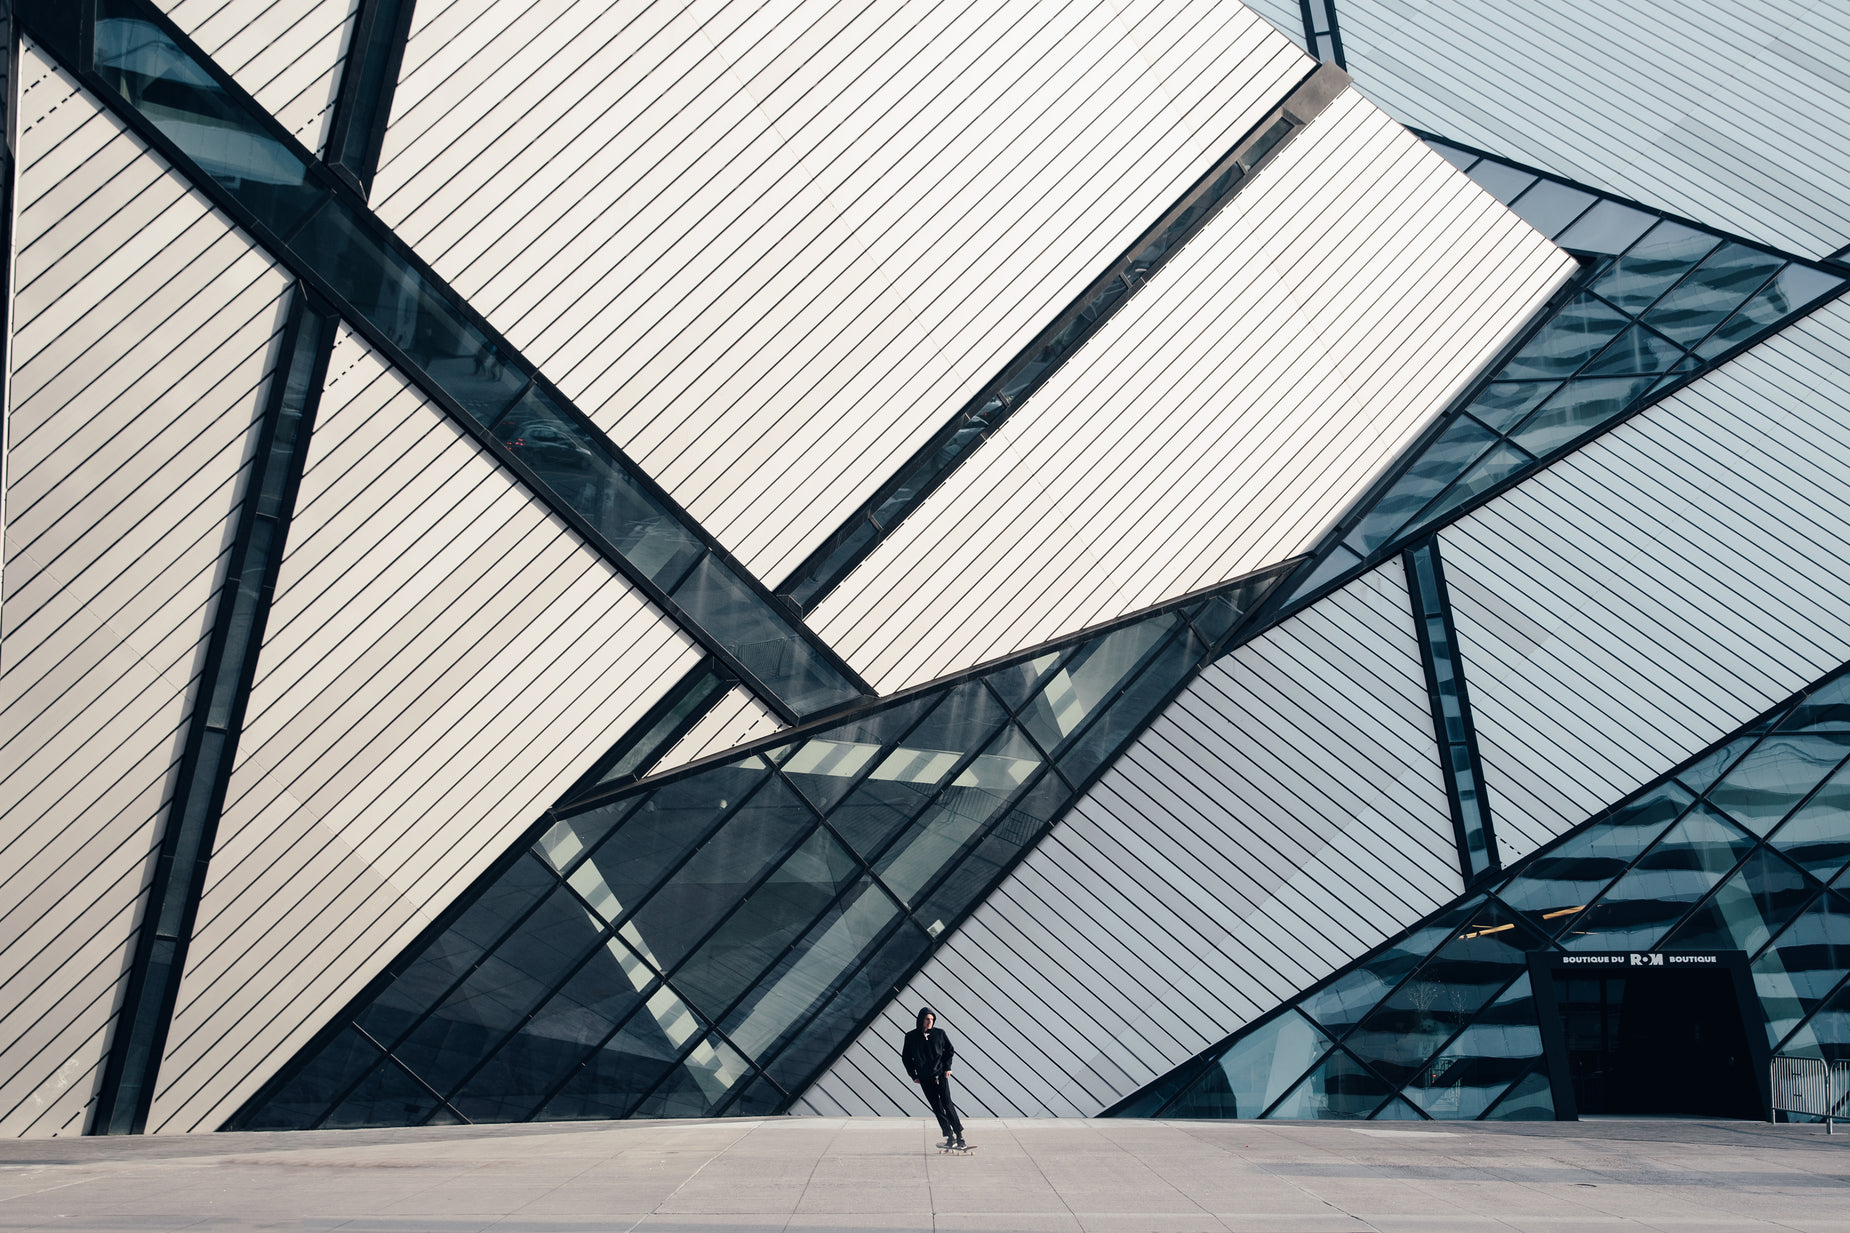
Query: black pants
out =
(937, 1091)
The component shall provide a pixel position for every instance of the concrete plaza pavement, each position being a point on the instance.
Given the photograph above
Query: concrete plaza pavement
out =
(791, 1174)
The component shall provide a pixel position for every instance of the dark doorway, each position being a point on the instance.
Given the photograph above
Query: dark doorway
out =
(1663, 1041)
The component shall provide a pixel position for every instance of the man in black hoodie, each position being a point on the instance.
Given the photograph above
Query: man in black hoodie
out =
(927, 1053)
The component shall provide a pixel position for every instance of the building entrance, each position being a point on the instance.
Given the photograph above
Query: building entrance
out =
(1653, 1035)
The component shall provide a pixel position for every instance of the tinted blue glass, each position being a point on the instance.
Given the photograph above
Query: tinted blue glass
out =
(1549, 206)
(1637, 350)
(1826, 709)
(697, 895)
(1781, 770)
(1495, 467)
(1088, 678)
(1747, 909)
(387, 1097)
(1339, 1088)
(1578, 408)
(859, 995)
(1666, 253)
(1685, 864)
(1575, 335)
(1530, 1099)
(1715, 289)
(1122, 715)
(826, 765)
(1260, 1067)
(1804, 964)
(1503, 403)
(1817, 836)
(617, 1074)
(769, 648)
(983, 863)
(300, 1102)
(1555, 887)
(1502, 1044)
(1793, 288)
(702, 1084)
(1609, 227)
(765, 923)
(192, 110)
(1340, 1005)
(1705, 770)
(1462, 442)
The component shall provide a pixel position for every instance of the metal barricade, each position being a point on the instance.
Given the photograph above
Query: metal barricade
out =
(1811, 1086)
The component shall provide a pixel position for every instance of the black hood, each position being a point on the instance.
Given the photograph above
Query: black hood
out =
(919, 1021)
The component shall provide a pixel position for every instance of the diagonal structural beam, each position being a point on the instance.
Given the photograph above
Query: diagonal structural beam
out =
(315, 223)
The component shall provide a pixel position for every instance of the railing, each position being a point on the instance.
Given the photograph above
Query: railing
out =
(1810, 1086)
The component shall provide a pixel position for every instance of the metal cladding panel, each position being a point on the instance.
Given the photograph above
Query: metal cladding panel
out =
(144, 330)
(1223, 417)
(1281, 817)
(734, 719)
(288, 53)
(1661, 586)
(1731, 114)
(443, 658)
(772, 249)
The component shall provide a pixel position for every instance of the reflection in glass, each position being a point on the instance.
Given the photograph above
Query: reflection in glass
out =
(1259, 1069)
(1558, 883)
(1685, 865)
(693, 945)
(1502, 1044)
(1764, 786)
(1818, 835)
(1748, 908)
(1339, 1088)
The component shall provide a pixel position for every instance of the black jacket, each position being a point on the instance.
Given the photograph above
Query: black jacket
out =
(926, 1054)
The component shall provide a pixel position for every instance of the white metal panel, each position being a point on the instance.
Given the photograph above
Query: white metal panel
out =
(287, 53)
(144, 331)
(1282, 816)
(1226, 414)
(1661, 586)
(1733, 114)
(443, 658)
(771, 249)
(736, 718)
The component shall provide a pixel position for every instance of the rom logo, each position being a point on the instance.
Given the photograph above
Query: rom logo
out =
(1646, 961)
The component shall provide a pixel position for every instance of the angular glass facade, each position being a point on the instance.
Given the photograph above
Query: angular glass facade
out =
(316, 221)
(1744, 848)
(1658, 303)
(703, 943)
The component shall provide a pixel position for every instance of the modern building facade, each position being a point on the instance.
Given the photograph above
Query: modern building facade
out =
(583, 562)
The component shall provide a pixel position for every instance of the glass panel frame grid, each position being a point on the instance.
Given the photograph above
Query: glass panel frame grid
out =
(769, 898)
(1769, 880)
(1658, 302)
(316, 222)
(865, 529)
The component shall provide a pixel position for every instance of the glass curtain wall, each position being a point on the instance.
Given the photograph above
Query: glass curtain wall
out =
(1657, 303)
(1746, 847)
(704, 942)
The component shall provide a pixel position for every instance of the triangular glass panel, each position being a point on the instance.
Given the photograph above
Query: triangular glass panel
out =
(1748, 908)
(306, 1098)
(1578, 408)
(1638, 350)
(1502, 1044)
(1794, 287)
(1489, 950)
(1338, 561)
(1549, 206)
(1503, 404)
(389, 1096)
(1502, 462)
(1609, 228)
(1500, 180)
(1443, 461)
(1666, 253)
(1339, 1087)
(625, 1067)
(1530, 1099)
(1396, 1110)
(701, 1085)
(1575, 335)
(1259, 1068)
(1554, 888)
(1712, 291)
(1806, 961)
(1827, 1032)
(1825, 709)
(1702, 773)
(1679, 869)
(1344, 1002)
(1781, 770)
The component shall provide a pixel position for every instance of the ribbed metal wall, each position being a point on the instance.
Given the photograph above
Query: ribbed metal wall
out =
(287, 53)
(443, 659)
(1642, 597)
(1730, 114)
(1221, 419)
(1282, 816)
(773, 249)
(144, 330)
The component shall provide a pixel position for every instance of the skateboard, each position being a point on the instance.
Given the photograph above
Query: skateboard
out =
(965, 1150)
